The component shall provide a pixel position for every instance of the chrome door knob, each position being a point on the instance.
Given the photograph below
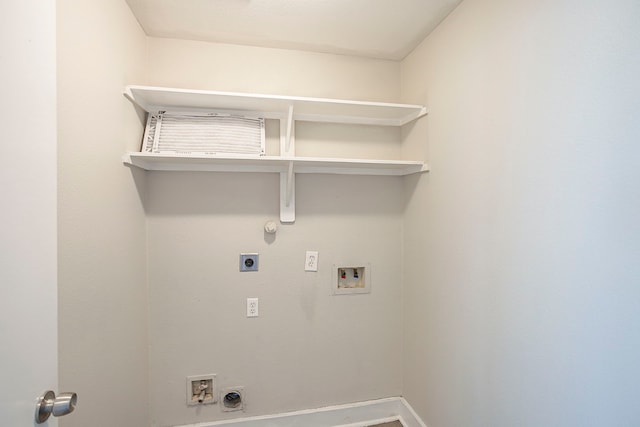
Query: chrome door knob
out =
(49, 404)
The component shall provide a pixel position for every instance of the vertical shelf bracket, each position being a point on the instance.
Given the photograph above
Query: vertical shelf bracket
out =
(288, 195)
(290, 183)
(288, 178)
(288, 145)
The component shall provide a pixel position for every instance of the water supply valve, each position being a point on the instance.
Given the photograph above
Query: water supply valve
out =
(201, 390)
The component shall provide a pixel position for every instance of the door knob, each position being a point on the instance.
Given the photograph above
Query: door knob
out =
(49, 404)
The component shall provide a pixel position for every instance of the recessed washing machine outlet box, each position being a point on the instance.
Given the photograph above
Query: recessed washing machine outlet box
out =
(232, 399)
(248, 262)
(201, 390)
(351, 278)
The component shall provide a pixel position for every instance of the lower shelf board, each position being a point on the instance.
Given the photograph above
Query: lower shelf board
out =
(215, 163)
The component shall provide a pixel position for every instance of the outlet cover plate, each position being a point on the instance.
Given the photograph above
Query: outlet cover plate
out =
(311, 261)
(252, 307)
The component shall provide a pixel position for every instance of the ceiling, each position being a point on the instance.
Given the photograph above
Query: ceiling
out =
(386, 29)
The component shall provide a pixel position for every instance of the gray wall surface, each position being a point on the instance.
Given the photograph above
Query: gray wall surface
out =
(101, 222)
(307, 348)
(505, 282)
(522, 246)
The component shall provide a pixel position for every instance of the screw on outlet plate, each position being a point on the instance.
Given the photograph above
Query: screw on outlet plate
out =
(248, 262)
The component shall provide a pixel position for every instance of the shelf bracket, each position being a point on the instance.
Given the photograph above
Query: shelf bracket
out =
(287, 179)
(290, 184)
(287, 195)
(287, 149)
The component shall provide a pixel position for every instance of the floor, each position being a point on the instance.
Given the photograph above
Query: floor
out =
(391, 424)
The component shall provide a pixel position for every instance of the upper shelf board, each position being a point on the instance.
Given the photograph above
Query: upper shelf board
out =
(276, 106)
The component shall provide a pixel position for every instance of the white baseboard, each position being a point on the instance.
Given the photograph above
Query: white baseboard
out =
(358, 414)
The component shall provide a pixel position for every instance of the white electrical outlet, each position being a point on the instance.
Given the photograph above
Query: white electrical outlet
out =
(252, 307)
(311, 261)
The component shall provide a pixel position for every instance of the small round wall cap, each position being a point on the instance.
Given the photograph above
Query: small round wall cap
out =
(270, 227)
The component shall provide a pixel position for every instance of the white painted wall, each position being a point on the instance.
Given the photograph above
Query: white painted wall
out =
(522, 246)
(102, 244)
(193, 64)
(308, 348)
(28, 285)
